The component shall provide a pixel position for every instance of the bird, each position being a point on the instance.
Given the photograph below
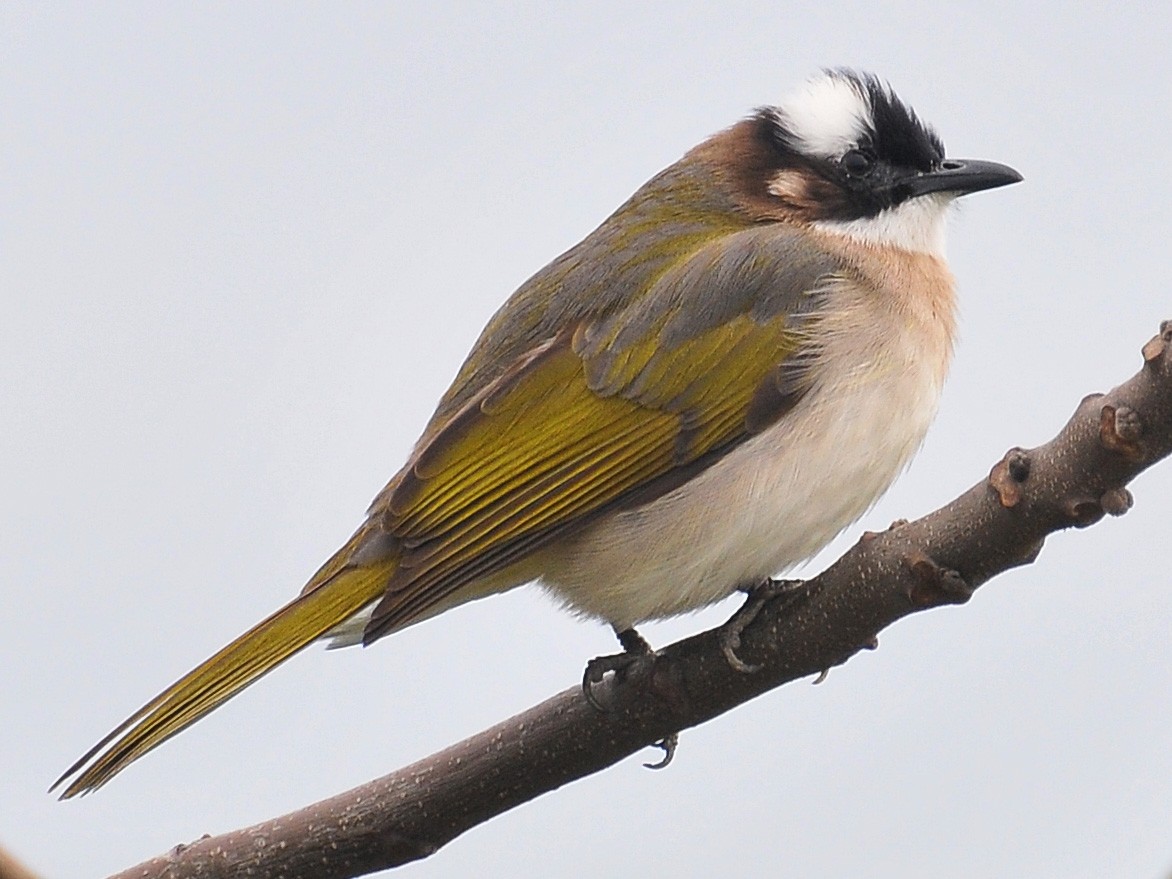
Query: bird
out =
(701, 394)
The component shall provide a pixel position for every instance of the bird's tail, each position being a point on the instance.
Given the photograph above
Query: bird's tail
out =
(342, 592)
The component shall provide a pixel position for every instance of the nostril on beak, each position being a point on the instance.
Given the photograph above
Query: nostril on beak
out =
(951, 164)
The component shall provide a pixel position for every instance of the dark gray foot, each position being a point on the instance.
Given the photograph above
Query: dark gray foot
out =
(759, 596)
(634, 649)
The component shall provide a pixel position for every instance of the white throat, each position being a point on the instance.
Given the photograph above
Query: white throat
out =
(916, 225)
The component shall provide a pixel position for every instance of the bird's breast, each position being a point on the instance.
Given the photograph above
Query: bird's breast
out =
(779, 497)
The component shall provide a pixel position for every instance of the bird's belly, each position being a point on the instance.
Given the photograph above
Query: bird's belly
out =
(769, 504)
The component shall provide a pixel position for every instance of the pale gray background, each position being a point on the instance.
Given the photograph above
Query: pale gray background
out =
(244, 251)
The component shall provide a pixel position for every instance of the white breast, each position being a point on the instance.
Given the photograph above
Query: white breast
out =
(783, 495)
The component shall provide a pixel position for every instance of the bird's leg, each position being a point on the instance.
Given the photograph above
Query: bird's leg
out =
(634, 648)
(759, 596)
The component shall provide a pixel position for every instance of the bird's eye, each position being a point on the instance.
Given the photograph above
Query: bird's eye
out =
(857, 163)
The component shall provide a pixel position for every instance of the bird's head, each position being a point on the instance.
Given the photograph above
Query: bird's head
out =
(844, 153)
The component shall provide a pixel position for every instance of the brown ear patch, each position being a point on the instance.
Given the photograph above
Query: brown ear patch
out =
(806, 194)
(791, 185)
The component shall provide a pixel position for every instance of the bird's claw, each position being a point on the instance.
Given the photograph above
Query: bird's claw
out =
(668, 744)
(759, 596)
(634, 649)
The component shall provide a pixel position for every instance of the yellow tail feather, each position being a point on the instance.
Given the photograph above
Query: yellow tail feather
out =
(255, 653)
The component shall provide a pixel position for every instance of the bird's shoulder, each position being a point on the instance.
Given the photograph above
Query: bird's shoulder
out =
(615, 295)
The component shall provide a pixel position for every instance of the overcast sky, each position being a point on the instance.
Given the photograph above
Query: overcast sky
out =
(243, 250)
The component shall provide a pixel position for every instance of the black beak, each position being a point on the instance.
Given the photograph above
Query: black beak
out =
(961, 176)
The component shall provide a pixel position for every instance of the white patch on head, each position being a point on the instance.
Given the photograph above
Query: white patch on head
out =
(827, 115)
(916, 225)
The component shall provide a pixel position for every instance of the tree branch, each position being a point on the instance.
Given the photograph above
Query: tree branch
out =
(1000, 523)
(11, 868)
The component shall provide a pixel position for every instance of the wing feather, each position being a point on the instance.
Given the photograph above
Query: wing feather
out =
(594, 418)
